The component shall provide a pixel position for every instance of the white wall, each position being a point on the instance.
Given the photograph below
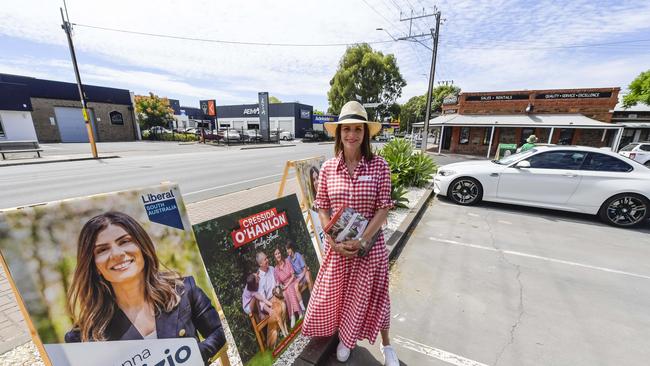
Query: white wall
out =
(17, 126)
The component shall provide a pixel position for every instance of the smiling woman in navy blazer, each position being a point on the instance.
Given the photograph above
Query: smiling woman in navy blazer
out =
(119, 293)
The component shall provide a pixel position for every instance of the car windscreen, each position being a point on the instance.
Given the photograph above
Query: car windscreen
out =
(515, 157)
(629, 147)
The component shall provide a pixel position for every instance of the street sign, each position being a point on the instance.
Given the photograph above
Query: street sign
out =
(371, 105)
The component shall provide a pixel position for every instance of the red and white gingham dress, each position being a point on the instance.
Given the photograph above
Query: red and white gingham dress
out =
(351, 294)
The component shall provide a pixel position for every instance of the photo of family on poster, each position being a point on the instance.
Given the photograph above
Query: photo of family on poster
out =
(114, 267)
(265, 281)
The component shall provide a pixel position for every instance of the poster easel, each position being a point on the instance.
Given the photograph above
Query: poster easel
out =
(291, 164)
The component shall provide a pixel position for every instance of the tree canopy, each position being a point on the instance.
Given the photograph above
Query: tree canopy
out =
(414, 110)
(274, 100)
(153, 110)
(367, 76)
(639, 90)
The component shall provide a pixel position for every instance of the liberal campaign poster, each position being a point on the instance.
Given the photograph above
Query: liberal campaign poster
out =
(308, 173)
(262, 264)
(121, 271)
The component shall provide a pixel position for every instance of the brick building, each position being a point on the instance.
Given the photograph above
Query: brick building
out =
(473, 123)
(50, 111)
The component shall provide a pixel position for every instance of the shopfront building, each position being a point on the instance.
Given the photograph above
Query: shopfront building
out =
(476, 123)
(292, 117)
(54, 111)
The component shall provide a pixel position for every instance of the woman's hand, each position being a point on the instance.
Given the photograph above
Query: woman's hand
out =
(348, 248)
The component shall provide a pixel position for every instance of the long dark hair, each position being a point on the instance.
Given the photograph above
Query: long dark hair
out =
(91, 298)
(366, 151)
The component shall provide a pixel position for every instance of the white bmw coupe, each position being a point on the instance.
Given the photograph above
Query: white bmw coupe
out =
(570, 178)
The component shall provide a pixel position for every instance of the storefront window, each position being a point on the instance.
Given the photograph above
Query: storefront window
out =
(486, 136)
(464, 136)
(525, 134)
(566, 136)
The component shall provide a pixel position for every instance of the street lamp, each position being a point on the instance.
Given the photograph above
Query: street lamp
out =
(387, 32)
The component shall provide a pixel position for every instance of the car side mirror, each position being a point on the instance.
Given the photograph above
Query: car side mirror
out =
(524, 164)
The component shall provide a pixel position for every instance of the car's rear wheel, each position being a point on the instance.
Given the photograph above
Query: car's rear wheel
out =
(465, 191)
(625, 210)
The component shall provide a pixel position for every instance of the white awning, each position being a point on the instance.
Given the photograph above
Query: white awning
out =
(519, 120)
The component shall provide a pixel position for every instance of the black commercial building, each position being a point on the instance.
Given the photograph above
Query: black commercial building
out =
(50, 111)
(291, 117)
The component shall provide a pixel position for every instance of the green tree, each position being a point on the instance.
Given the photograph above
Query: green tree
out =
(367, 76)
(153, 110)
(274, 100)
(318, 113)
(639, 90)
(415, 109)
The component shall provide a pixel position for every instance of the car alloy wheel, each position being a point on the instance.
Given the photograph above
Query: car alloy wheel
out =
(625, 210)
(465, 191)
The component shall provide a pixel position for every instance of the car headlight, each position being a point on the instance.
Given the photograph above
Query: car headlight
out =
(446, 173)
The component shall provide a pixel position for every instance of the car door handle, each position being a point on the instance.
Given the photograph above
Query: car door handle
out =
(570, 175)
(494, 174)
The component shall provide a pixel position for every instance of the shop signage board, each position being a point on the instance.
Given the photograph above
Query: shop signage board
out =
(320, 119)
(116, 118)
(79, 248)
(263, 105)
(209, 107)
(246, 256)
(494, 98)
(579, 95)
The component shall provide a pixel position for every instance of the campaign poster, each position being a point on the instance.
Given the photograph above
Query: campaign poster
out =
(120, 271)
(262, 264)
(307, 173)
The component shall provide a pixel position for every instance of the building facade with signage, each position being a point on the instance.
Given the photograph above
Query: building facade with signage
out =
(292, 117)
(636, 120)
(50, 111)
(475, 123)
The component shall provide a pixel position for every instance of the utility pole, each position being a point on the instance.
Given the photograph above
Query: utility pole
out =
(432, 73)
(67, 27)
(414, 38)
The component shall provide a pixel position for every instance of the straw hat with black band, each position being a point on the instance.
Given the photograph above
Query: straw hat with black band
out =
(353, 113)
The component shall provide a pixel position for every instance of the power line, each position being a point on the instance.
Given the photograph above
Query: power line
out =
(241, 43)
(554, 47)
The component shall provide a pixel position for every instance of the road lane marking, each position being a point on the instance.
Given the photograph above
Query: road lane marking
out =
(436, 353)
(232, 184)
(548, 259)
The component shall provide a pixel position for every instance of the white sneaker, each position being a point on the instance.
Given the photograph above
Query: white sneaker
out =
(390, 357)
(342, 352)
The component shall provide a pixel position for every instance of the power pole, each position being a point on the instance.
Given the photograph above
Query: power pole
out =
(67, 27)
(414, 38)
(432, 73)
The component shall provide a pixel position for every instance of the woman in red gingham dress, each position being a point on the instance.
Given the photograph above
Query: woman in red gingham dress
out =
(350, 294)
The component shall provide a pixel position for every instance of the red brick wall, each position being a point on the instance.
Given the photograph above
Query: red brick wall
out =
(596, 108)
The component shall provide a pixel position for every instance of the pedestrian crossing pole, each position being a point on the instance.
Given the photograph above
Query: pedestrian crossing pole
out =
(67, 27)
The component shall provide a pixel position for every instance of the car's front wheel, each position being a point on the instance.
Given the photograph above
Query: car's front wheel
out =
(465, 191)
(625, 210)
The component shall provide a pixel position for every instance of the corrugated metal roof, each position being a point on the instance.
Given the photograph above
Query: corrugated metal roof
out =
(518, 120)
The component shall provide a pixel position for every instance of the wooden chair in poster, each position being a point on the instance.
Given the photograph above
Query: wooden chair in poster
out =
(259, 326)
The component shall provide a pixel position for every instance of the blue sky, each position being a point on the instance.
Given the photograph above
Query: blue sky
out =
(484, 45)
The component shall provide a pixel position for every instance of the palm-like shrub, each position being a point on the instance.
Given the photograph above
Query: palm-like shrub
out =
(412, 169)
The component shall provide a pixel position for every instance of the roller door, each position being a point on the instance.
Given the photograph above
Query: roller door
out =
(71, 124)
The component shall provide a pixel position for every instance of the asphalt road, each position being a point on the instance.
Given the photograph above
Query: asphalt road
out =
(510, 286)
(203, 171)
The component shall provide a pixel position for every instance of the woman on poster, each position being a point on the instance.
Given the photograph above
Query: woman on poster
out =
(284, 275)
(350, 294)
(119, 292)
